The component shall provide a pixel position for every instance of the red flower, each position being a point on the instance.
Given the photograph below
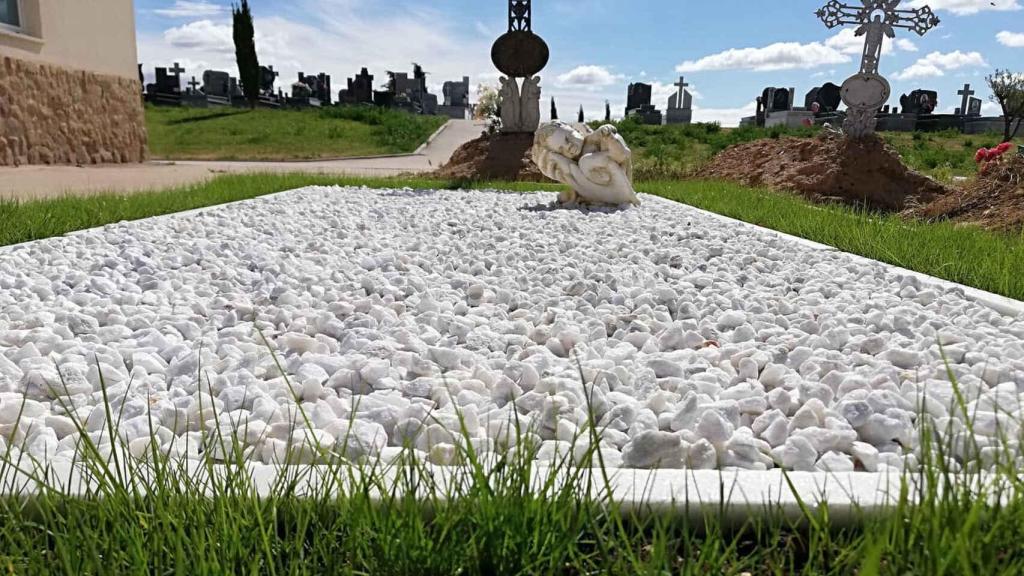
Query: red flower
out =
(1004, 147)
(981, 156)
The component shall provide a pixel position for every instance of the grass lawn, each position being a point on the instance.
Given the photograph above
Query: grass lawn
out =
(240, 134)
(986, 260)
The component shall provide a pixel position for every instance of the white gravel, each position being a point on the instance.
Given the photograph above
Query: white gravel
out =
(703, 343)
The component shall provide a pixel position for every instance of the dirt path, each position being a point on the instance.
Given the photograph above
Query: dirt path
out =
(34, 182)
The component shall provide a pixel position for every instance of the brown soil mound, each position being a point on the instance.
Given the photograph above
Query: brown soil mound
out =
(994, 200)
(827, 168)
(493, 157)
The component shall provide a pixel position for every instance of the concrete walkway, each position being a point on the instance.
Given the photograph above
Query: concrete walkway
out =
(35, 182)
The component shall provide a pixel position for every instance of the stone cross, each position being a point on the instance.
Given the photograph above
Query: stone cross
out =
(193, 84)
(682, 84)
(177, 69)
(966, 93)
(876, 20)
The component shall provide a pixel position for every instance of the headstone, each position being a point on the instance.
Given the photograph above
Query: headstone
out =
(827, 97)
(216, 83)
(680, 105)
(974, 107)
(965, 101)
(778, 99)
(456, 99)
(167, 88)
(319, 88)
(638, 96)
(919, 102)
(267, 78)
(457, 93)
(360, 89)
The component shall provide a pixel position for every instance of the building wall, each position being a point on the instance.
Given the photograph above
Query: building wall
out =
(69, 85)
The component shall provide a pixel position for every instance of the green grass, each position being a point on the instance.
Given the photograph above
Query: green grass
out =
(494, 514)
(987, 260)
(239, 134)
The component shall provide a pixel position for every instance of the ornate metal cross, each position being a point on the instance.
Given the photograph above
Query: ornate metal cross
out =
(520, 15)
(877, 19)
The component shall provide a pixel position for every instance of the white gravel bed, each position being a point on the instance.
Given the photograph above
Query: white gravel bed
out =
(398, 314)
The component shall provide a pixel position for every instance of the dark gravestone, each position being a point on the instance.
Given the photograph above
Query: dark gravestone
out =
(319, 86)
(919, 102)
(776, 99)
(827, 97)
(974, 107)
(638, 97)
(217, 83)
(456, 93)
(267, 78)
(360, 89)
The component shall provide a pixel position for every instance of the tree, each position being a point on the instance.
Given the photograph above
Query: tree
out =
(245, 52)
(1008, 92)
(554, 109)
(581, 119)
(607, 111)
(487, 100)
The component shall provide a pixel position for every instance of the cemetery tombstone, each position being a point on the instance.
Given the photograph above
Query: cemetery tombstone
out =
(828, 96)
(167, 88)
(965, 102)
(456, 99)
(974, 107)
(638, 104)
(680, 105)
(360, 89)
(920, 102)
(217, 87)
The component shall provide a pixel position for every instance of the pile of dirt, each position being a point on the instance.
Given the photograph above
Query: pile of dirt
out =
(493, 157)
(994, 200)
(828, 168)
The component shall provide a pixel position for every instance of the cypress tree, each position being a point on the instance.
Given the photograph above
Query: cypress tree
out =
(607, 111)
(581, 118)
(554, 109)
(245, 52)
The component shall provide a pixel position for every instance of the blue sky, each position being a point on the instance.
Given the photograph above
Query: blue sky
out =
(729, 50)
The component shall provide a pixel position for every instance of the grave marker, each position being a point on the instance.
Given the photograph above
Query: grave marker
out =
(865, 92)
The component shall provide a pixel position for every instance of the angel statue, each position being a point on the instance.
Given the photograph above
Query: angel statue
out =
(598, 167)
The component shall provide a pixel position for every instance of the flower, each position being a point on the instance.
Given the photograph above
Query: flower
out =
(981, 156)
(1004, 147)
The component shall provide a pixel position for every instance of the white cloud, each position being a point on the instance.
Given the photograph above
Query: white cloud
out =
(589, 76)
(839, 49)
(1011, 39)
(938, 63)
(187, 9)
(965, 7)
(204, 35)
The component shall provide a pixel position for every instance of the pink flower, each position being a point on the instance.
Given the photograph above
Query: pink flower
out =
(981, 156)
(1004, 147)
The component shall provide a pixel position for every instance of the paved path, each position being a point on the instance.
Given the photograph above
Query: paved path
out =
(34, 182)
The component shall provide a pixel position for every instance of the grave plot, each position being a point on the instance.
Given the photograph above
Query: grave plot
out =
(421, 318)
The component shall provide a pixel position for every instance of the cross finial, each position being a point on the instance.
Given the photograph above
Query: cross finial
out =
(877, 19)
(193, 84)
(177, 69)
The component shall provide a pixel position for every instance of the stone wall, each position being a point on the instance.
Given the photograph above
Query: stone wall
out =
(55, 115)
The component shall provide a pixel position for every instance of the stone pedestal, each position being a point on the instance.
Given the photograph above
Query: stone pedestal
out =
(679, 116)
(789, 118)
